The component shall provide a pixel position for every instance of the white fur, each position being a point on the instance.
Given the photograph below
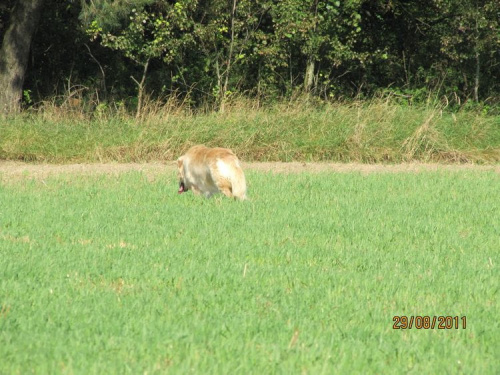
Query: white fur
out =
(224, 169)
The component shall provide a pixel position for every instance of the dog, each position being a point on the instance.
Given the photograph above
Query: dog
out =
(209, 171)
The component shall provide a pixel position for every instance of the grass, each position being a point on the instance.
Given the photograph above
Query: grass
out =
(119, 274)
(374, 131)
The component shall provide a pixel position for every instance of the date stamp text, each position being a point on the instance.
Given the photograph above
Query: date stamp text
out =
(429, 322)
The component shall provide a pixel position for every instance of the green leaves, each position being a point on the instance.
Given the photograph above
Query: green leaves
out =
(153, 30)
(271, 46)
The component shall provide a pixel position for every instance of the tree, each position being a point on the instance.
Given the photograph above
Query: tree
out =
(472, 39)
(319, 32)
(444, 47)
(15, 51)
(226, 32)
(153, 30)
(209, 50)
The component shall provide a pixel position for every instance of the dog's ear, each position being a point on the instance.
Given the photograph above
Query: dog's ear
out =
(179, 162)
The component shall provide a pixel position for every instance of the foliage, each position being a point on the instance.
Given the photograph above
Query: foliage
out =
(157, 30)
(209, 51)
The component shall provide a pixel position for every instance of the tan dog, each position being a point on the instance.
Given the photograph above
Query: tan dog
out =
(209, 171)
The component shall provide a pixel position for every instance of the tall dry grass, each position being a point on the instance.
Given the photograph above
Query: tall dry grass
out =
(374, 131)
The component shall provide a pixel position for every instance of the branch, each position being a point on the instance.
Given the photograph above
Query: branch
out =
(100, 67)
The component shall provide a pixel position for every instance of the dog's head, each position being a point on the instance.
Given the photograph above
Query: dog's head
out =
(180, 172)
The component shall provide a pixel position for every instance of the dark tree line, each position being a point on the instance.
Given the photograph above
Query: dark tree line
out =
(119, 50)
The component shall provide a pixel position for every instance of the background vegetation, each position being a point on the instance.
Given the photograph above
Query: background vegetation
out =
(98, 53)
(353, 80)
(379, 130)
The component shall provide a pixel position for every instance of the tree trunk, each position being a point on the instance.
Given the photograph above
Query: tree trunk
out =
(229, 61)
(309, 77)
(477, 49)
(476, 78)
(15, 52)
(311, 63)
(140, 89)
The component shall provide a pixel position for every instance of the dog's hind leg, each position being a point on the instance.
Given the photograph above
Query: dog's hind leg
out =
(225, 188)
(227, 193)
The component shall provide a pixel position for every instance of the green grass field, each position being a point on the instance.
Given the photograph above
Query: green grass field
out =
(120, 274)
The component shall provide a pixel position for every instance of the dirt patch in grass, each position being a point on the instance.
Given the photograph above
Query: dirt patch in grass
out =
(14, 170)
(297, 167)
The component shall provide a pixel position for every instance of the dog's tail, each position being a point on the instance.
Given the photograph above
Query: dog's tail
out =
(238, 183)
